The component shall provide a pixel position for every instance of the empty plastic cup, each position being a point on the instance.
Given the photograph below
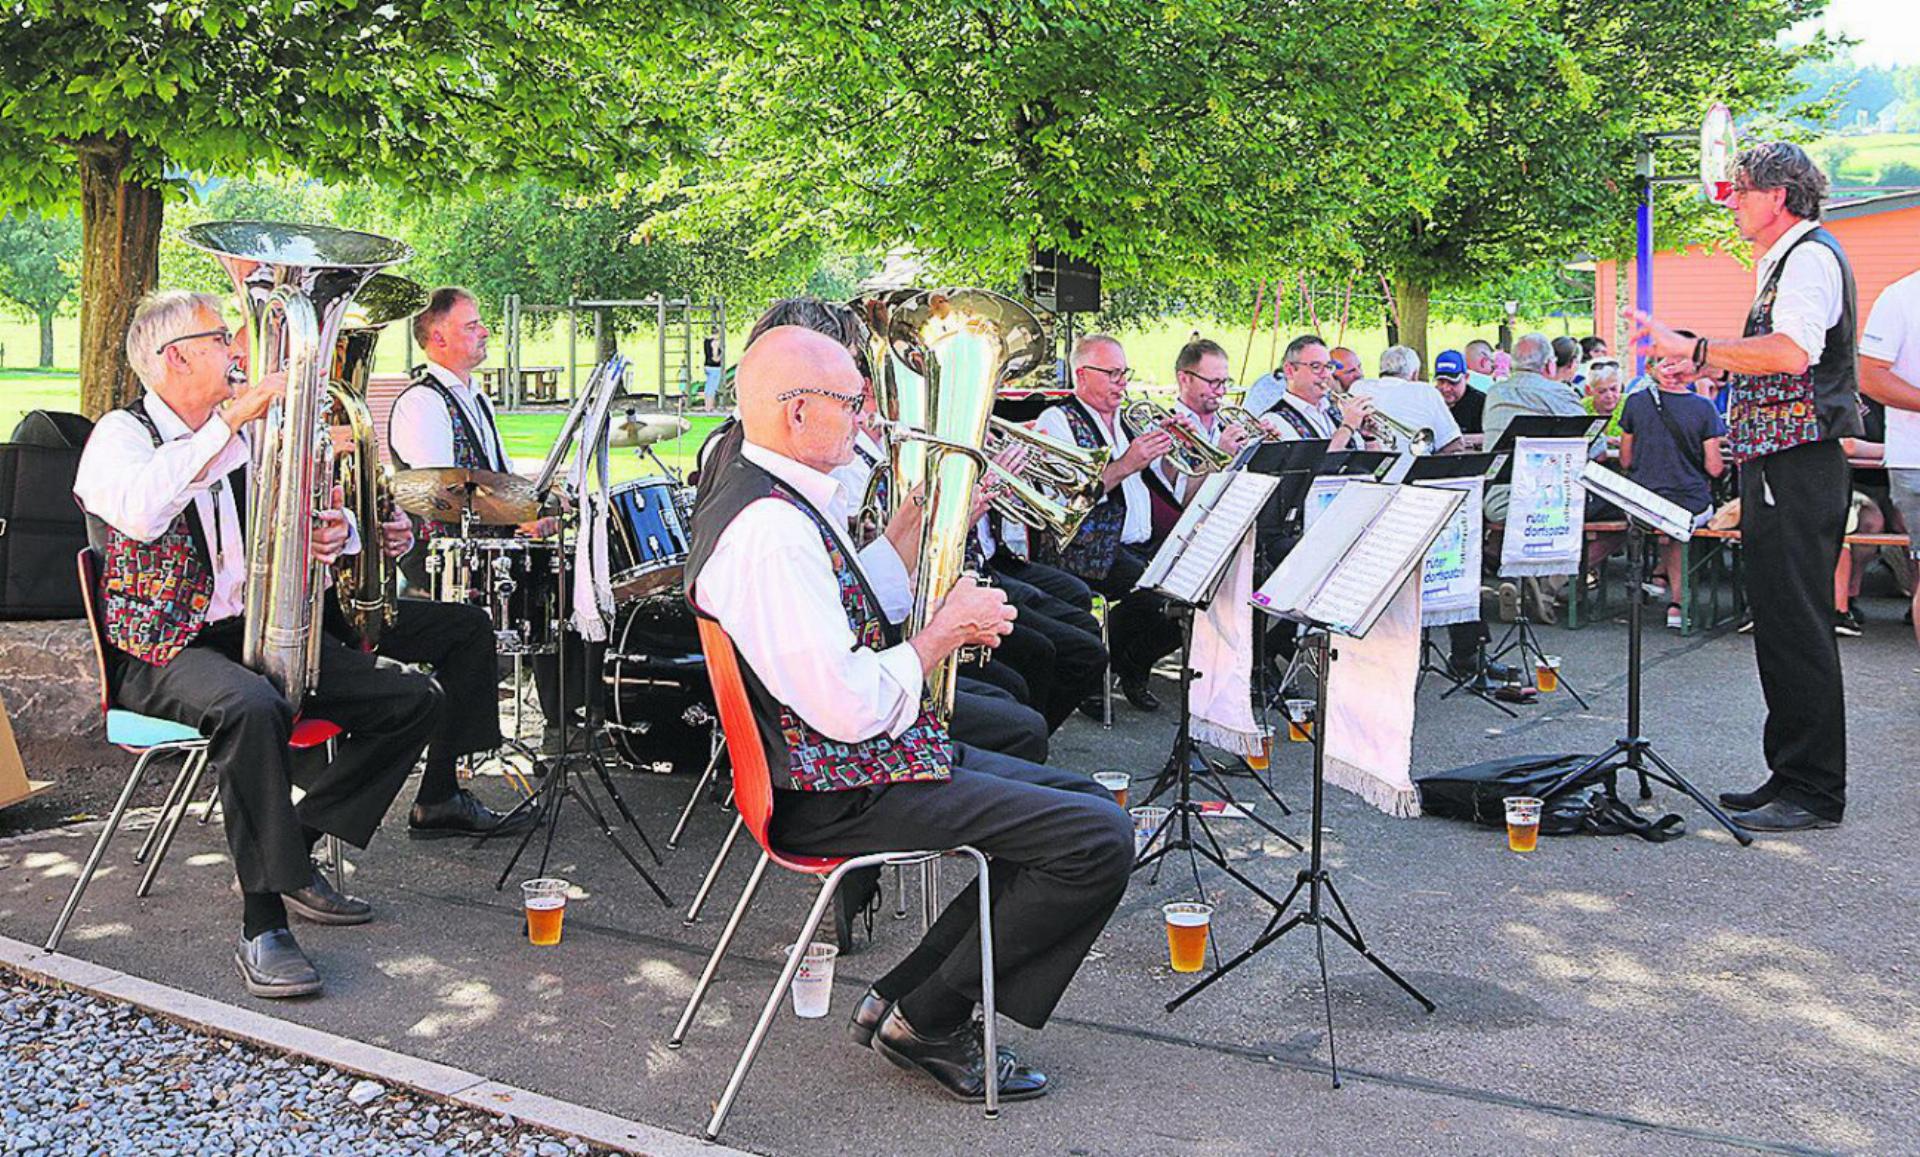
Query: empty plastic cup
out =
(1147, 822)
(813, 984)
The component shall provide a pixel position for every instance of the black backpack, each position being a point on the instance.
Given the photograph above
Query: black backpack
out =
(41, 526)
(1477, 793)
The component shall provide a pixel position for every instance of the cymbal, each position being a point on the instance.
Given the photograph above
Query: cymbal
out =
(444, 493)
(638, 430)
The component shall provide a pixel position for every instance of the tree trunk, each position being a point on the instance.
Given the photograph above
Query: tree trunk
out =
(120, 261)
(606, 335)
(46, 340)
(1412, 298)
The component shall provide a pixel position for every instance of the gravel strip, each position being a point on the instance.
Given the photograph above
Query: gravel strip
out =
(82, 1075)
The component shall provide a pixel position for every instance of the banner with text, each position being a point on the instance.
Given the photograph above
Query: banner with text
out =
(1450, 581)
(1546, 515)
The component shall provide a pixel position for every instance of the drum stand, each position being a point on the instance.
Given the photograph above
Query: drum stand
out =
(560, 783)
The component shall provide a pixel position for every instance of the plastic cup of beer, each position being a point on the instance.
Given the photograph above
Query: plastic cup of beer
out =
(1262, 758)
(546, 903)
(1299, 720)
(1187, 926)
(1146, 821)
(1523, 823)
(1116, 782)
(1546, 674)
(813, 985)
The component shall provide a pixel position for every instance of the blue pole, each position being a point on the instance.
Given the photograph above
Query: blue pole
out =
(1643, 263)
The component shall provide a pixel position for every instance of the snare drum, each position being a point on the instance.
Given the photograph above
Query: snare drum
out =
(516, 580)
(646, 538)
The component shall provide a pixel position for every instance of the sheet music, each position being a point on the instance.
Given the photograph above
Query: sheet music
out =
(1305, 568)
(1383, 558)
(1669, 518)
(1197, 551)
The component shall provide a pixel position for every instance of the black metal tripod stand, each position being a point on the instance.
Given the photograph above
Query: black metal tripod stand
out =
(1434, 660)
(1314, 880)
(1633, 751)
(1520, 636)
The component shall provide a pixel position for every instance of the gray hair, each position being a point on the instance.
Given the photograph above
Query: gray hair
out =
(1533, 352)
(1599, 373)
(1084, 348)
(1783, 165)
(160, 317)
(1400, 361)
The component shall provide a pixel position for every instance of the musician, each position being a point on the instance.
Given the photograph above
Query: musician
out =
(869, 767)
(1304, 411)
(1111, 551)
(165, 482)
(1346, 368)
(442, 420)
(1794, 395)
(1466, 404)
(1202, 375)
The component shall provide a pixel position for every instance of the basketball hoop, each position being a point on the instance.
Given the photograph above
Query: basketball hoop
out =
(1718, 153)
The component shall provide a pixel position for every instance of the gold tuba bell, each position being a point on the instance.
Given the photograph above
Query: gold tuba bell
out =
(295, 284)
(366, 583)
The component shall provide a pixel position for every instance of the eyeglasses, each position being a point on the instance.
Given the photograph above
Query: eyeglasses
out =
(852, 402)
(225, 336)
(1210, 383)
(1123, 376)
(1316, 367)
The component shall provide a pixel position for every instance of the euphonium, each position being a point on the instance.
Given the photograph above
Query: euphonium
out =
(1192, 454)
(950, 349)
(295, 283)
(366, 583)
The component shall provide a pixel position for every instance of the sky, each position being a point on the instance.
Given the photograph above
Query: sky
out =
(1886, 30)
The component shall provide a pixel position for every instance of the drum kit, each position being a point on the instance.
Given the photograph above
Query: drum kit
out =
(660, 703)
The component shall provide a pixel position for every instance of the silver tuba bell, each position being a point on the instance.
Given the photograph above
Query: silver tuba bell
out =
(295, 284)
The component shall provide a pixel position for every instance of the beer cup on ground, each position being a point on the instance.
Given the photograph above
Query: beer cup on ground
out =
(1300, 720)
(1147, 821)
(546, 903)
(812, 989)
(1116, 782)
(1187, 926)
(1523, 823)
(1546, 674)
(1263, 758)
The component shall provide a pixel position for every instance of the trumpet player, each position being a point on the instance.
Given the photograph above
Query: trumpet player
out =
(164, 483)
(1304, 411)
(1400, 394)
(1112, 549)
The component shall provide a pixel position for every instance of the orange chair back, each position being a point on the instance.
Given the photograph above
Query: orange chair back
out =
(752, 783)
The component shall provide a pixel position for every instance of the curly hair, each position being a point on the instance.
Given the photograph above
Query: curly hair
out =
(1782, 165)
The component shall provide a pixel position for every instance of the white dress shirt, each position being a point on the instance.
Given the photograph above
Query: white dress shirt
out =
(1810, 294)
(1138, 526)
(885, 570)
(139, 488)
(770, 585)
(420, 430)
(1263, 393)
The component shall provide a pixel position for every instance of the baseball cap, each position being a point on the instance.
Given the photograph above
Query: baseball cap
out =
(1450, 364)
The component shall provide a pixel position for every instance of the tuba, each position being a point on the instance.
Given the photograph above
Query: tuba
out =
(947, 351)
(1191, 454)
(295, 284)
(366, 583)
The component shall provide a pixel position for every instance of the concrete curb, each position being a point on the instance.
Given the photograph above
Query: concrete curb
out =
(426, 1077)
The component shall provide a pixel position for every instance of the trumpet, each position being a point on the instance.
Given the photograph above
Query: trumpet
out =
(1384, 427)
(1192, 454)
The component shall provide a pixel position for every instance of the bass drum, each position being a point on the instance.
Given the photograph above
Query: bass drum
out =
(660, 705)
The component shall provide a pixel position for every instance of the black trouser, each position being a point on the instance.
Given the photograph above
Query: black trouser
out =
(1064, 585)
(1078, 659)
(1793, 516)
(986, 716)
(387, 712)
(1061, 850)
(1139, 633)
(1028, 653)
(456, 640)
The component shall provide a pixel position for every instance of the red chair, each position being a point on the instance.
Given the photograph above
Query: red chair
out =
(149, 737)
(753, 795)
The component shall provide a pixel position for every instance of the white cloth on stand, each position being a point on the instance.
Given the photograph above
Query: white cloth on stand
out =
(1220, 696)
(593, 608)
(1369, 724)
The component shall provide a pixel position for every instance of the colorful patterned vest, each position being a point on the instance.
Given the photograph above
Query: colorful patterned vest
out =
(1768, 413)
(470, 452)
(1296, 420)
(155, 594)
(800, 758)
(1091, 553)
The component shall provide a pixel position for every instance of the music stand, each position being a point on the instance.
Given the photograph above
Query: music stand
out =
(1315, 881)
(1634, 751)
(1520, 635)
(1441, 468)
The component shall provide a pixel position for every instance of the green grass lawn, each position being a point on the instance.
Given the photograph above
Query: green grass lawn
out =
(1873, 152)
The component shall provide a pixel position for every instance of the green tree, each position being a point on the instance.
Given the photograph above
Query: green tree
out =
(1545, 168)
(37, 261)
(110, 102)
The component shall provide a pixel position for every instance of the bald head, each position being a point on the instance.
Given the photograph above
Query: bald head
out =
(794, 386)
(1349, 371)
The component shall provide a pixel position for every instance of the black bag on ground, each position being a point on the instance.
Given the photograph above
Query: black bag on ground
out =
(41, 526)
(1477, 793)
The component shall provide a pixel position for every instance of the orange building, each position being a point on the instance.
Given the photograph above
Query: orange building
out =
(1709, 291)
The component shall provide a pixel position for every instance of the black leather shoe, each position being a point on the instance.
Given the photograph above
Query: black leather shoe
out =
(462, 814)
(1094, 708)
(956, 1061)
(273, 966)
(1781, 816)
(867, 1015)
(1139, 694)
(1746, 801)
(321, 903)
